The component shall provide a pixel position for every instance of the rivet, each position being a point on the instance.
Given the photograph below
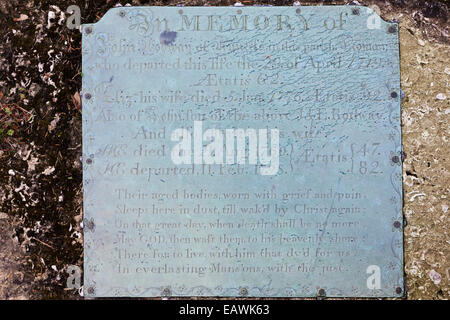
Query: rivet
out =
(392, 29)
(394, 95)
(91, 290)
(355, 11)
(298, 11)
(395, 159)
(180, 11)
(166, 292)
(321, 292)
(87, 96)
(88, 30)
(90, 224)
(397, 224)
(122, 13)
(239, 11)
(89, 161)
(243, 291)
(398, 290)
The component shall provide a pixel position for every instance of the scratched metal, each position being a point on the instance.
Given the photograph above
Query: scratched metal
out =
(327, 77)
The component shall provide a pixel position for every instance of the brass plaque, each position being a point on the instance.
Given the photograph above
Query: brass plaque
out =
(242, 151)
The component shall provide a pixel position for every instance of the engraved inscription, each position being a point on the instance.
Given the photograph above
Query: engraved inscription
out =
(254, 150)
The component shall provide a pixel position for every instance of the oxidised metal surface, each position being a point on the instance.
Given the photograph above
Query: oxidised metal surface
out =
(323, 225)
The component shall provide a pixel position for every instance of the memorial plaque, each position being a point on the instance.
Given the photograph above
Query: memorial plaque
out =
(242, 151)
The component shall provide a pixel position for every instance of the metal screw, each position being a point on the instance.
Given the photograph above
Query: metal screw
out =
(322, 292)
(398, 290)
(91, 290)
(397, 224)
(243, 291)
(394, 95)
(395, 159)
(88, 96)
(88, 30)
(355, 11)
(89, 161)
(90, 224)
(392, 29)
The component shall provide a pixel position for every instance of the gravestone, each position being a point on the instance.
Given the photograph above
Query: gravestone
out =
(242, 151)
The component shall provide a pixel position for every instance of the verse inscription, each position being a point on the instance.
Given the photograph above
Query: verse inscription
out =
(242, 151)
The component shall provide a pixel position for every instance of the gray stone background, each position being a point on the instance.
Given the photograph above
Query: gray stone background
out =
(40, 141)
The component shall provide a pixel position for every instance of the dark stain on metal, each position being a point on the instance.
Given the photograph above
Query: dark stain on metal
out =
(397, 224)
(167, 37)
